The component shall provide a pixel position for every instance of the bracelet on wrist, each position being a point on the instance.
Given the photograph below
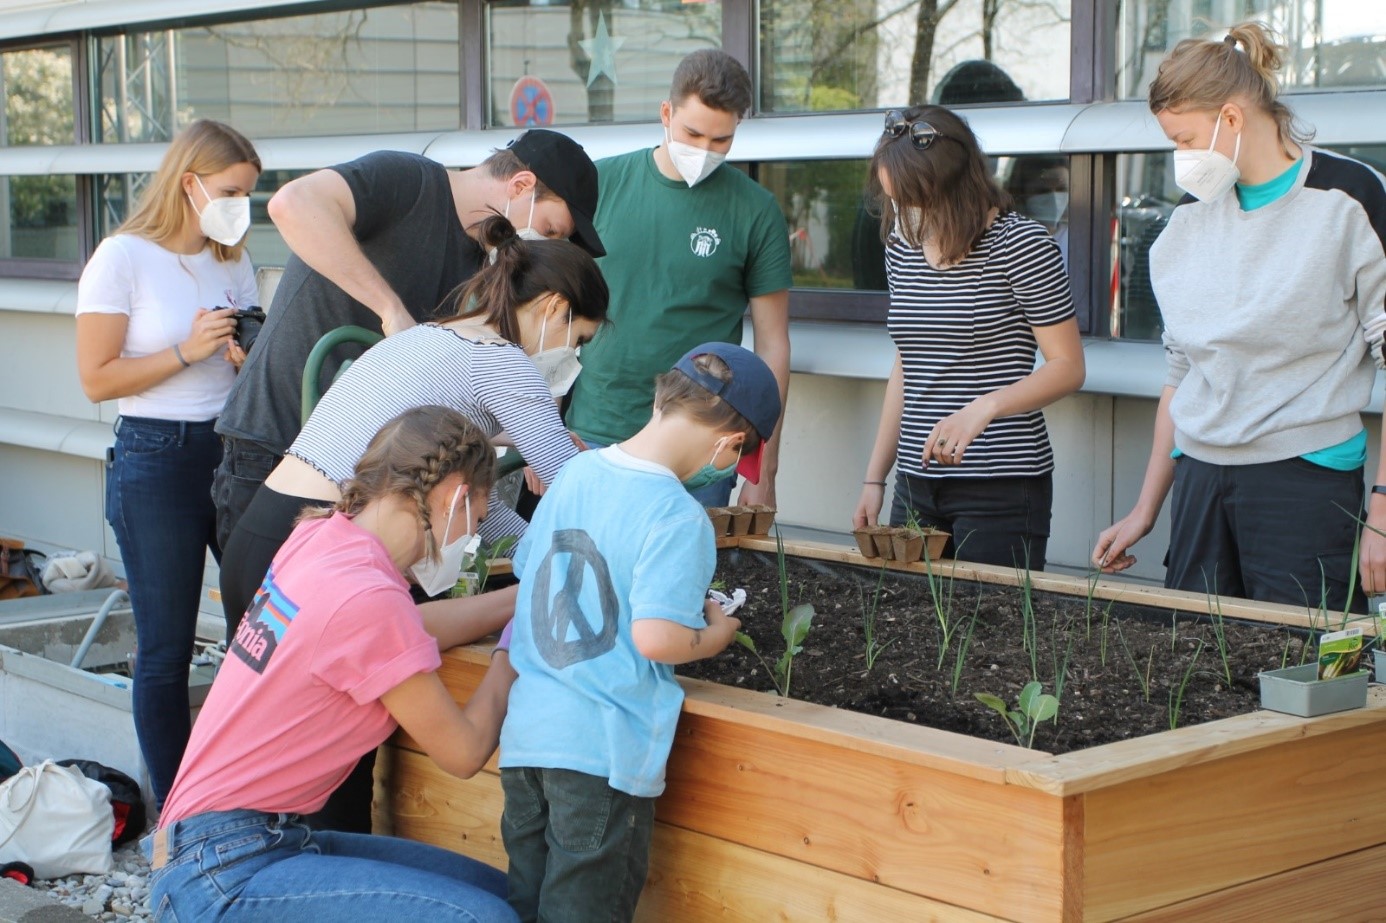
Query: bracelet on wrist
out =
(178, 354)
(877, 483)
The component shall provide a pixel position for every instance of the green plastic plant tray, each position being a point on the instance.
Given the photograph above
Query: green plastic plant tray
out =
(1299, 691)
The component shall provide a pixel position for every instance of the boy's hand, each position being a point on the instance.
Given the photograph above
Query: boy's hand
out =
(721, 628)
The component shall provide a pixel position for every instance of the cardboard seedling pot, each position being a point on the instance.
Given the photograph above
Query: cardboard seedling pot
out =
(1299, 691)
(741, 517)
(762, 518)
(866, 542)
(907, 544)
(721, 520)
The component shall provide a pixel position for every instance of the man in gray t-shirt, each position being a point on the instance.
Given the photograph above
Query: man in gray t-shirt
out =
(379, 243)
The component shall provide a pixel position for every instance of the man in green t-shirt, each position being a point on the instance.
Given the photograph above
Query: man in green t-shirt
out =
(690, 243)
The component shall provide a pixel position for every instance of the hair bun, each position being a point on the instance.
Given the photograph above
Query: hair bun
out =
(496, 231)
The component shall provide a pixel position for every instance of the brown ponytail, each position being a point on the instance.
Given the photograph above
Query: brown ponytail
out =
(1205, 74)
(524, 270)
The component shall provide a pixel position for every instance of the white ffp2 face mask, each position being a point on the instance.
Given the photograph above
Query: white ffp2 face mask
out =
(560, 365)
(436, 576)
(224, 220)
(1207, 175)
(528, 232)
(694, 164)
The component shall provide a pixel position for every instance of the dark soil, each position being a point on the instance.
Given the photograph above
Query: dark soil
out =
(1123, 666)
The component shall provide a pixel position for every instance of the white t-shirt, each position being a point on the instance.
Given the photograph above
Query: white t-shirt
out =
(160, 291)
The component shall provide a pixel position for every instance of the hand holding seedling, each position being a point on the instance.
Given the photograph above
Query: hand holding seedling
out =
(1111, 554)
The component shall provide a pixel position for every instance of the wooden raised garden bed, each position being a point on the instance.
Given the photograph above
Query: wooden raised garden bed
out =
(778, 809)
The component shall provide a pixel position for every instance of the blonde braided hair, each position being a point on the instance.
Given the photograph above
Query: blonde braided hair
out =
(410, 455)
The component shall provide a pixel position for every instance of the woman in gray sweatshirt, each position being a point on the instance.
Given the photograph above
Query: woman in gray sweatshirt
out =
(1271, 282)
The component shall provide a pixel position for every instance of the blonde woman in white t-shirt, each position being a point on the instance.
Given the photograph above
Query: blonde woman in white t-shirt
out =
(155, 332)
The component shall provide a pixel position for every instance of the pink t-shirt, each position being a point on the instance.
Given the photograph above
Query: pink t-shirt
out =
(297, 701)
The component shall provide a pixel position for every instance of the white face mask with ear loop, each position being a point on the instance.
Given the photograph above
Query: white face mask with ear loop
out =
(1208, 175)
(436, 576)
(694, 164)
(559, 365)
(224, 220)
(528, 232)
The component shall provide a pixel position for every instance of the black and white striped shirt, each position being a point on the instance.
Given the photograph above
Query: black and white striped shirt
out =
(492, 383)
(966, 331)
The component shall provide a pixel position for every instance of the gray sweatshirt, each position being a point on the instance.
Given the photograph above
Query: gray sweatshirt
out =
(1274, 317)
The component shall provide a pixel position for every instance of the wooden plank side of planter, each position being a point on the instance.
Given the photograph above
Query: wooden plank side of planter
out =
(999, 849)
(693, 878)
(1208, 827)
(1104, 589)
(1341, 889)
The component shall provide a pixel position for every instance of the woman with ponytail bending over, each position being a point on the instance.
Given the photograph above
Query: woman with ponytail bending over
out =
(1271, 282)
(529, 308)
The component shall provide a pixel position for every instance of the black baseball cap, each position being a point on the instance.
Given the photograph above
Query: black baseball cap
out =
(564, 167)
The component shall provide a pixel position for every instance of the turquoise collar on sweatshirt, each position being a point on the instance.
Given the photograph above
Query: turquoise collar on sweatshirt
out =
(1263, 194)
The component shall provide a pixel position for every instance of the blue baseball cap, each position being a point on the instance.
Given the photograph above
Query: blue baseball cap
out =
(752, 391)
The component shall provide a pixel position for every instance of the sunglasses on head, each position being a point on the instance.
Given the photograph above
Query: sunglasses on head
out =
(922, 134)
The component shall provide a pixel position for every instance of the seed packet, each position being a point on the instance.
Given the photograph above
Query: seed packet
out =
(1340, 652)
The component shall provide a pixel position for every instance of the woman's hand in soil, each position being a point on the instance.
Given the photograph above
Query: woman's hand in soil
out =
(1110, 554)
(950, 438)
(868, 512)
(211, 330)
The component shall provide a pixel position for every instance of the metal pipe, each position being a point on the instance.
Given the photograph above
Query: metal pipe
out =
(116, 597)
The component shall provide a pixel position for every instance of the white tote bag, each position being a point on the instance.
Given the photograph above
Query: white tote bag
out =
(57, 820)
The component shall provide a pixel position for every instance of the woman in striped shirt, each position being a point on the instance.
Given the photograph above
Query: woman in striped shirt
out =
(975, 290)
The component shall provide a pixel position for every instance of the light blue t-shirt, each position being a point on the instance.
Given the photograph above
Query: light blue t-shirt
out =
(615, 539)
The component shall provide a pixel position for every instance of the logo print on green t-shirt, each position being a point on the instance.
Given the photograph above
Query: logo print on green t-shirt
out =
(704, 241)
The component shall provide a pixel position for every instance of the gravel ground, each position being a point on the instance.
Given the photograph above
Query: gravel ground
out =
(117, 897)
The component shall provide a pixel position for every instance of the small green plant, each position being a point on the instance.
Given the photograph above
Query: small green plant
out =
(1220, 634)
(795, 623)
(1029, 632)
(794, 628)
(1033, 706)
(874, 647)
(1060, 664)
(1176, 695)
(941, 593)
(960, 655)
(1143, 678)
(481, 566)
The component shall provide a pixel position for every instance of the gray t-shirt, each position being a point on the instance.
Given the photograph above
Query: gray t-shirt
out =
(407, 226)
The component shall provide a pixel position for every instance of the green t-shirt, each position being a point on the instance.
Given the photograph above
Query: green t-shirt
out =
(682, 263)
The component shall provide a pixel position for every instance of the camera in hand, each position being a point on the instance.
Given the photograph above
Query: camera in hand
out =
(248, 323)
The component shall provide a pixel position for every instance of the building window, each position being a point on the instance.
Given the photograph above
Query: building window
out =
(1333, 44)
(824, 55)
(589, 61)
(41, 218)
(835, 234)
(37, 85)
(380, 69)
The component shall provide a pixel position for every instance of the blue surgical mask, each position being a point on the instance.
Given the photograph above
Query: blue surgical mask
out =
(710, 473)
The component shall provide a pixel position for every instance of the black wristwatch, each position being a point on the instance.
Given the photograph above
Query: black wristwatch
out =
(1379, 488)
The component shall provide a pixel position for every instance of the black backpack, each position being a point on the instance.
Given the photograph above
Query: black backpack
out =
(126, 803)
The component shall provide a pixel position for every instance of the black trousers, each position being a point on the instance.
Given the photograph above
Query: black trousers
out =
(1001, 521)
(1279, 532)
(243, 468)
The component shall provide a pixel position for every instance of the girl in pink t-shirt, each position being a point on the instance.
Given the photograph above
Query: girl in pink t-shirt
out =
(332, 657)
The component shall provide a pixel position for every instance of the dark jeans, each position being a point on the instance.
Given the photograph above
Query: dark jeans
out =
(578, 849)
(159, 505)
(243, 468)
(1277, 532)
(1001, 521)
(249, 866)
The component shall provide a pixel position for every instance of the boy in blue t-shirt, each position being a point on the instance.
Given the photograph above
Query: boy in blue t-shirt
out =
(614, 572)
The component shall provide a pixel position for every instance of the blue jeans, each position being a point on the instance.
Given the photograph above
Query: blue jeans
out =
(578, 849)
(159, 505)
(250, 866)
(997, 520)
(718, 493)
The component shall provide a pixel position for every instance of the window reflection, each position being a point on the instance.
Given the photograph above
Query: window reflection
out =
(41, 218)
(835, 233)
(821, 55)
(1333, 44)
(37, 84)
(381, 69)
(565, 63)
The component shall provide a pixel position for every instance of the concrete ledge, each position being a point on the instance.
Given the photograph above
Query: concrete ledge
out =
(19, 904)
